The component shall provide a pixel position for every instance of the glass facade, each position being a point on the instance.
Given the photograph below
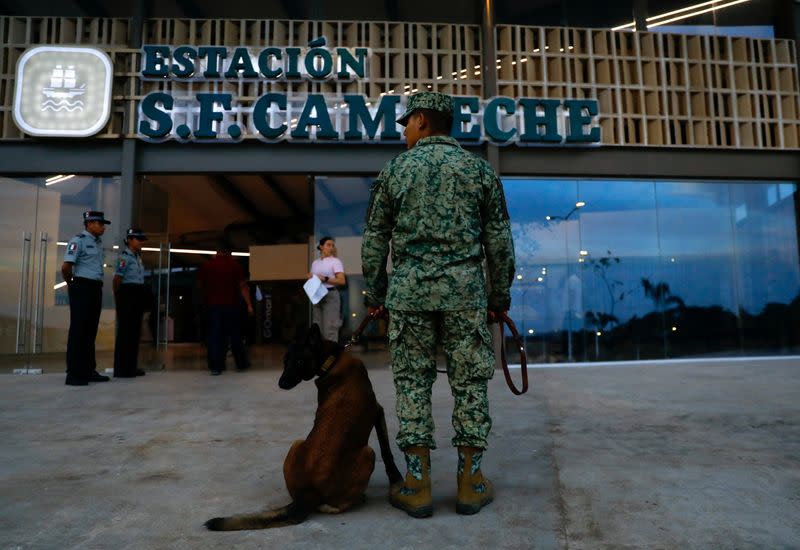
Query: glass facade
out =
(620, 270)
(614, 270)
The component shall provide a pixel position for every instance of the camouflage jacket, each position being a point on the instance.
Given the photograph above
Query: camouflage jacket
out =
(442, 208)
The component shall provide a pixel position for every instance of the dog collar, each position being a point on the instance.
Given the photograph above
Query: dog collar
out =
(327, 365)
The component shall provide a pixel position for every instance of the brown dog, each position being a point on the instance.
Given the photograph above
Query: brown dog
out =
(329, 470)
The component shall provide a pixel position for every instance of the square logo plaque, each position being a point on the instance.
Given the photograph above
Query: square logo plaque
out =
(63, 91)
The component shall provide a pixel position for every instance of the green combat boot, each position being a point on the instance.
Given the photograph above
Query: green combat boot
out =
(413, 496)
(474, 491)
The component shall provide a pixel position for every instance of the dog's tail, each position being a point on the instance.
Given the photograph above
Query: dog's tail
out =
(291, 514)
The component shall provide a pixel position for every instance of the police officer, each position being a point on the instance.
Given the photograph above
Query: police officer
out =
(443, 210)
(83, 271)
(129, 295)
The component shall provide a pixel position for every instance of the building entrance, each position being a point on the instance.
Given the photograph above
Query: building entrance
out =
(266, 220)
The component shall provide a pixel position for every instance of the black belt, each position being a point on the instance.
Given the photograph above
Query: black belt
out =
(87, 281)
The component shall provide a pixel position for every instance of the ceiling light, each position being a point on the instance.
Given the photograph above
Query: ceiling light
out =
(58, 179)
(692, 14)
(191, 251)
(686, 13)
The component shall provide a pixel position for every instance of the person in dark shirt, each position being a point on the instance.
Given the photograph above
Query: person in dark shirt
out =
(223, 284)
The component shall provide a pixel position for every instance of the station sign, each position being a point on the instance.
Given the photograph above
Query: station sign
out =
(324, 117)
(69, 94)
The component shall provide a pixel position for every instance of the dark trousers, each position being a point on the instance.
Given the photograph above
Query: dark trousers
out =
(224, 328)
(85, 303)
(130, 301)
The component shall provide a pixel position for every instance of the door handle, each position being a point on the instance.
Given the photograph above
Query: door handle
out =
(22, 303)
(38, 307)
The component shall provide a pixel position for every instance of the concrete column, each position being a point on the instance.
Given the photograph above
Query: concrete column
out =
(489, 71)
(128, 176)
(489, 74)
(640, 14)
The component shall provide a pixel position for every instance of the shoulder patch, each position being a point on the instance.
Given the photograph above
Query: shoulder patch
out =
(72, 247)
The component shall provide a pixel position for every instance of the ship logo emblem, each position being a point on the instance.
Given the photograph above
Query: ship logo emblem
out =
(63, 93)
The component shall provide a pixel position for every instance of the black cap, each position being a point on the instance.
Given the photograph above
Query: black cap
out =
(136, 233)
(94, 216)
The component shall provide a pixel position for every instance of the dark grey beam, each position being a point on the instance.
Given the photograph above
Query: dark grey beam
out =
(262, 158)
(287, 200)
(368, 160)
(46, 156)
(238, 198)
(100, 156)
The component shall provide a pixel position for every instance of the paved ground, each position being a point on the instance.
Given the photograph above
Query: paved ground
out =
(667, 456)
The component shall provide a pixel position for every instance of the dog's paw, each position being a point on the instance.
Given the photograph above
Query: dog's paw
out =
(215, 524)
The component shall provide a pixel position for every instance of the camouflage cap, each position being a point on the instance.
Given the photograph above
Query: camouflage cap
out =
(427, 100)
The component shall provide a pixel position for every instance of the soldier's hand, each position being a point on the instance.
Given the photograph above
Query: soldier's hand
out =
(377, 312)
(493, 316)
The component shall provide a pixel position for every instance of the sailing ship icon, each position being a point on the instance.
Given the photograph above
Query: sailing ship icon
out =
(62, 90)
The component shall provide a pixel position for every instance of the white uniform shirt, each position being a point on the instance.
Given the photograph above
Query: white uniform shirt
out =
(327, 267)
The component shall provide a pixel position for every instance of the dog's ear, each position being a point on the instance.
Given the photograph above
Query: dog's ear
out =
(314, 336)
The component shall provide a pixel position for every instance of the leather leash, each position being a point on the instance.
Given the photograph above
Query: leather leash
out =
(357, 333)
(523, 360)
(503, 319)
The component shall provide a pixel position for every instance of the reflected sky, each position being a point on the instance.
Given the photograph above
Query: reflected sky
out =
(727, 244)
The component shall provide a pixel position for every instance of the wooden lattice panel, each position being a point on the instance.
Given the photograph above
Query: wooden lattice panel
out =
(653, 89)
(661, 89)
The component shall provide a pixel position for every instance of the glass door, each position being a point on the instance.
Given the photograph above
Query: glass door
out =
(17, 241)
(38, 216)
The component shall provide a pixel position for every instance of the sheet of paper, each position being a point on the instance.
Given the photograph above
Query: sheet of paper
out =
(315, 290)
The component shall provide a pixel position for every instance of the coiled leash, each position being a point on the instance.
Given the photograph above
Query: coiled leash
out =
(502, 319)
(523, 359)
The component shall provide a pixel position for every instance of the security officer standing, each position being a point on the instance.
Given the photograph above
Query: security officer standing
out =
(83, 271)
(443, 210)
(129, 295)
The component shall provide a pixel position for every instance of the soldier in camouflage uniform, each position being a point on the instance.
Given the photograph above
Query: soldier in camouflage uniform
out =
(443, 210)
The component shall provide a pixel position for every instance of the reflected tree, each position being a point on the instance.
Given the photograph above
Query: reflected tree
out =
(664, 302)
(599, 320)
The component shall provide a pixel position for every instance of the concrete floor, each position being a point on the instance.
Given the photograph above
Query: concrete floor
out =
(667, 456)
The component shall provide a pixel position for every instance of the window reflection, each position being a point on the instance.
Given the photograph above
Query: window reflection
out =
(642, 269)
(648, 269)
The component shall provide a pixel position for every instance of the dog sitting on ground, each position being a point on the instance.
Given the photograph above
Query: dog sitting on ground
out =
(330, 469)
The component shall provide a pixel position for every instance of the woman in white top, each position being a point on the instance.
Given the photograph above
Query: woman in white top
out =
(327, 313)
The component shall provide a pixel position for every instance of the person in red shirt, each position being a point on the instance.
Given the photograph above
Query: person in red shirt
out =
(223, 284)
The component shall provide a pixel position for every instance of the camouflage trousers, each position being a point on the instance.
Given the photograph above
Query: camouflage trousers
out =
(467, 343)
